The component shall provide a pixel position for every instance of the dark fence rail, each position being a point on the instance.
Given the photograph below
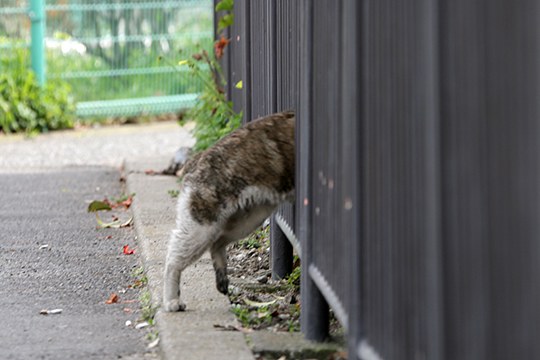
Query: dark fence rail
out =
(418, 167)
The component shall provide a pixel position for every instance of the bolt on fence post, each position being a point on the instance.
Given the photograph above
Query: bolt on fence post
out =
(37, 48)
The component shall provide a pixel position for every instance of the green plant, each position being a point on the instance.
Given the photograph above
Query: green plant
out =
(173, 193)
(257, 239)
(250, 318)
(148, 310)
(294, 277)
(27, 107)
(213, 114)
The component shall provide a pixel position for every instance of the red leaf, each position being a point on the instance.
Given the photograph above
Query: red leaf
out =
(112, 299)
(128, 251)
(220, 45)
(127, 202)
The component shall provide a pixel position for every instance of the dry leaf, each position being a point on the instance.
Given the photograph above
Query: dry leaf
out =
(258, 304)
(112, 299)
(128, 251)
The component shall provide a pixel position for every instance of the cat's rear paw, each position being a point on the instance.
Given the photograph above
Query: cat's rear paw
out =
(174, 305)
(222, 281)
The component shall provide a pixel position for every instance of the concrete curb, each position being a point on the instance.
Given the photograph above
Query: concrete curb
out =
(190, 334)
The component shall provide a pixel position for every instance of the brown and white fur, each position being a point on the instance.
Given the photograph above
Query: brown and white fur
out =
(227, 192)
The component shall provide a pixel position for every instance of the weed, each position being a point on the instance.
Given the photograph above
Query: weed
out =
(173, 193)
(250, 243)
(148, 310)
(242, 314)
(141, 280)
(152, 335)
(137, 272)
(293, 279)
(260, 238)
(253, 318)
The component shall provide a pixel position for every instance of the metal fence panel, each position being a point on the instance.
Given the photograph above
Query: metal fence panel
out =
(397, 274)
(491, 178)
(417, 170)
(110, 51)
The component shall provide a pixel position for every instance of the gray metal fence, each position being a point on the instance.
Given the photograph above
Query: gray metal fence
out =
(418, 167)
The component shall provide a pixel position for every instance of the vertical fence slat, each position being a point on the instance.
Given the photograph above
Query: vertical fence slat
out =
(314, 316)
(491, 185)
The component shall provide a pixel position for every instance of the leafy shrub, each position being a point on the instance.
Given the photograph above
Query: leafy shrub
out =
(25, 106)
(213, 114)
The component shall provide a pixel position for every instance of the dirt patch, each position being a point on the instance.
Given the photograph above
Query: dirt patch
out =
(259, 302)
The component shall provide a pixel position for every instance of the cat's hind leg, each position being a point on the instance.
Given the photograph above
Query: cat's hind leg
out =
(187, 244)
(219, 260)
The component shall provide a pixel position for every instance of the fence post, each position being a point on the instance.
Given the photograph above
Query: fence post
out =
(281, 251)
(314, 316)
(37, 50)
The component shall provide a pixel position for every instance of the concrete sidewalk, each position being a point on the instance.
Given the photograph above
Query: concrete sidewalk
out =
(190, 334)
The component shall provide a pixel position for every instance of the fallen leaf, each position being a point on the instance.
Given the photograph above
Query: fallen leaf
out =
(263, 314)
(153, 344)
(51, 312)
(149, 172)
(112, 299)
(97, 205)
(259, 304)
(142, 325)
(127, 223)
(126, 203)
(114, 224)
(128, 251)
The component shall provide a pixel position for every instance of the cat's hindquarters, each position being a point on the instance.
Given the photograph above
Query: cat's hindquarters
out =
(188, 241)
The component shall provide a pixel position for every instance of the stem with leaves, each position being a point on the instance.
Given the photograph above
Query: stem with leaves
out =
(213, 114)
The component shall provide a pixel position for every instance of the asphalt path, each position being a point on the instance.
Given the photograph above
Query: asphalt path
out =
(53, 256)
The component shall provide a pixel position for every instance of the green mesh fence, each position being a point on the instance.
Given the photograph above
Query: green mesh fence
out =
(118, 56)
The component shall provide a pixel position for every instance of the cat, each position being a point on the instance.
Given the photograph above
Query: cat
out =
(227, 191)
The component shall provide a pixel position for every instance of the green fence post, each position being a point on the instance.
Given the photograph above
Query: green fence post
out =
(37, 50)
